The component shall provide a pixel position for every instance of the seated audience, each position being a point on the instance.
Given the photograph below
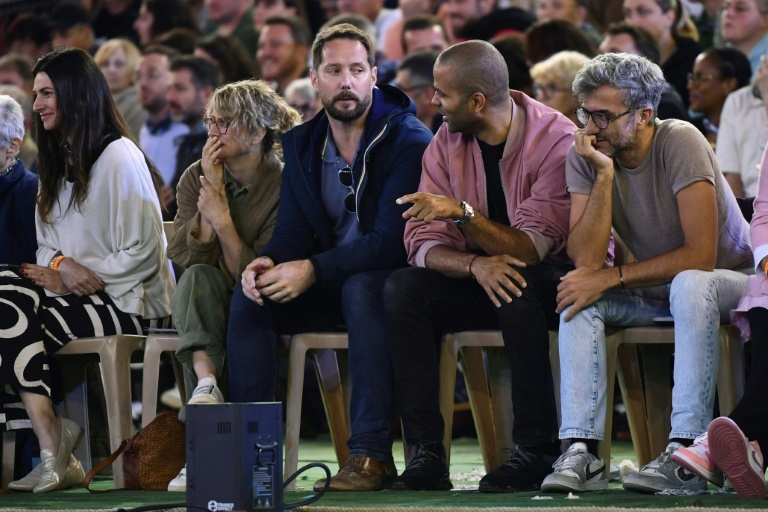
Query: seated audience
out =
(18, 190)
(283, 50)
(303, 97)
(161, 135)
(229, 56)
(460, 13)
(625, 38)
(423, 33)
(657, 184)
(156, 17)
(114, 19)
(373, 10)
(667, 22)
(265, 9)
(16, 69)
(101, 265)
(512, 49)
(744, 26)
(547, 38)
(743, 133)
(552, 79)
(484, 257)
(574, 11)
(227, 211)
(233, 18)
(183, 40)
(28, 151)
(725, 447)
(117, 59)
(28, 35)
(414, 77)
(70, 25)
(338, 236)
(716, 73)
(193, 80)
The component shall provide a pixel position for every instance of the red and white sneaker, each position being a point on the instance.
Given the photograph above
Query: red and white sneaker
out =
(697, 459)
(740, 459)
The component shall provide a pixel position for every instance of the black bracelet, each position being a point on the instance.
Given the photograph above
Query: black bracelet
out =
(621, 278)
(470, 266)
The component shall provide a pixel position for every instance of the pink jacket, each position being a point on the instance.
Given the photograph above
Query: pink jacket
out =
(533, 176)
(756, 291)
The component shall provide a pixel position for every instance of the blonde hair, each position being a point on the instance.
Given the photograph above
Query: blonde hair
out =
(252, 107)
(131, 51)
(561, 66)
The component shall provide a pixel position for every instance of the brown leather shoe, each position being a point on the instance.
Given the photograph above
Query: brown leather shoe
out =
(360, 473)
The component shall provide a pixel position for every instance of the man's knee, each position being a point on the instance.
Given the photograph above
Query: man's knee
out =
(691, 286)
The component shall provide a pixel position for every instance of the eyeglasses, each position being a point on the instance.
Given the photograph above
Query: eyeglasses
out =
(547, 90)
(221, 125)
(698, 78)
(601, 120)
(345, 178)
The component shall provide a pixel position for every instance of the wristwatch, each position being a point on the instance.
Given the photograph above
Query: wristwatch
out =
(469, 214)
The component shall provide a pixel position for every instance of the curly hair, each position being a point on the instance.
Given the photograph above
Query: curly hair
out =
(252, 107)
(640, 81)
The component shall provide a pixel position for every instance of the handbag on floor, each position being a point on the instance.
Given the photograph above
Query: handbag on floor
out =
(151, 458)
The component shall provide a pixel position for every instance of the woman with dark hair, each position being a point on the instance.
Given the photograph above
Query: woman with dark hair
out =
(546, 38)
(101, 265)
(157, 17)
(229, 55)
(716, 73)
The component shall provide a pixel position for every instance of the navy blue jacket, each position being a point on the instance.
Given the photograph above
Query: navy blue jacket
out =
(18, 241)
(395, 141)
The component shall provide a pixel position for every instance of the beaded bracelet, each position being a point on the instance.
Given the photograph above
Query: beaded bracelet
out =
(56, 261)
(621, 277)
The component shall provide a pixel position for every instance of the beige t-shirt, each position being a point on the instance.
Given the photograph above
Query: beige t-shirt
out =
(645, 213)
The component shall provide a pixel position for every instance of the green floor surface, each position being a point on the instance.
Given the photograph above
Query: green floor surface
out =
(466, 471)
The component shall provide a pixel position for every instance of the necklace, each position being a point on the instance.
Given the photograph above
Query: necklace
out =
(8, 170)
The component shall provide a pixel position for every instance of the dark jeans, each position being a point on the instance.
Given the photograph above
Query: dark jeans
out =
(422, 304)
(751, 413)
(356, 307)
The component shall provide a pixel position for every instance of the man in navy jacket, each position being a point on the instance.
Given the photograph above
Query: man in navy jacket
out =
(338, 237)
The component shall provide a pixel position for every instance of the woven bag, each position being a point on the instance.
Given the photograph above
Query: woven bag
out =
(151, 458)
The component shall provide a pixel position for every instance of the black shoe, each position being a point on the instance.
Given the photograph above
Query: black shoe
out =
(524, 471)
(427, 471)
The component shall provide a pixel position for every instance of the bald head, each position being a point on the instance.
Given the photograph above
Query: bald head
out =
(477, 66)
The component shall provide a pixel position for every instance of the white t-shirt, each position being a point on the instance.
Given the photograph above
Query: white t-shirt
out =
(742, 136)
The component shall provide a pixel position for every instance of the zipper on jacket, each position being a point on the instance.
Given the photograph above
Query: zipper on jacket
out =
(362, 175)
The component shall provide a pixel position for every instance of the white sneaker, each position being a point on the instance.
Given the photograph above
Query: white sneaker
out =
(171, 398)
(576, 470)
(179, 484)
(697, 459)
(206, 392)
(740, 459)
(664, 473)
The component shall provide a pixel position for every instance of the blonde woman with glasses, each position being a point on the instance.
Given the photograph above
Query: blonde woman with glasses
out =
(227, 212)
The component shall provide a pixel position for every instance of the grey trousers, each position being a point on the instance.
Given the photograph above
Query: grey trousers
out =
(200, 309)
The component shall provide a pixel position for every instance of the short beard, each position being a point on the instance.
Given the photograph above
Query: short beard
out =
(348, 115)
(625, 141)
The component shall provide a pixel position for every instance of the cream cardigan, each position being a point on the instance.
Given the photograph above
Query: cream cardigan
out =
(118, 232)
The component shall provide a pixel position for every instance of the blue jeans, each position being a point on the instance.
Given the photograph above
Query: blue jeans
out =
(698, 301)
(356, 307)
